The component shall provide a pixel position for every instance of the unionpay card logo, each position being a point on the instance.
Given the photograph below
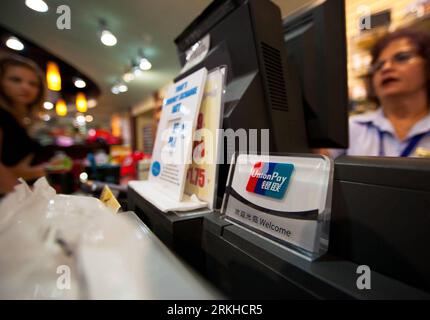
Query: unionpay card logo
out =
(270, 179)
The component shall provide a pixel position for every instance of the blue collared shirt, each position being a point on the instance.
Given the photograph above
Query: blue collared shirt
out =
(364, 136)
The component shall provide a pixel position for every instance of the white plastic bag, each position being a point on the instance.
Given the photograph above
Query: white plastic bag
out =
(29, 259)
(72, 247)
(66, 247)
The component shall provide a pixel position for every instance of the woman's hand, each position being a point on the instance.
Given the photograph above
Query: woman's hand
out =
(24, 169)
(321, 151)
(8, 180)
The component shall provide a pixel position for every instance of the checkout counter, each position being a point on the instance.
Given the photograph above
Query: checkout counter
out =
(380, 218)
(180, 233)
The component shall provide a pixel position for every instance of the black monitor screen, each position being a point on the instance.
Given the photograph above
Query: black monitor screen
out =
(315, 43)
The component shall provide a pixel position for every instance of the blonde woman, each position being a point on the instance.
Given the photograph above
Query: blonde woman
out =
(22, 93)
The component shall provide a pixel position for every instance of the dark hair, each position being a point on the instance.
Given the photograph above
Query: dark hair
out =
(420, 39)
(17, 61)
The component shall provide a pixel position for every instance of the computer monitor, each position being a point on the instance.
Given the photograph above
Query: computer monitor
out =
(247, 37)
(264, 90)
(315, 42)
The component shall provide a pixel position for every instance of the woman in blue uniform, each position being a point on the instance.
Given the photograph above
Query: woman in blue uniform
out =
(399, 83)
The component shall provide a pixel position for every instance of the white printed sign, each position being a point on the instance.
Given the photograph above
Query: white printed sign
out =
(285, 198)
(173, 144)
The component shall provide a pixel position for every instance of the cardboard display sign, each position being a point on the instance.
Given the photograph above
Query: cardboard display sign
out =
(202, 173)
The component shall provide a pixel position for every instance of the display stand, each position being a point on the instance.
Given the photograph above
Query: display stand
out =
(152, 200)
(285, 198)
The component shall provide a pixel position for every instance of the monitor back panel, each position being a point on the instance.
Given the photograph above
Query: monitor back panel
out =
(381, 216)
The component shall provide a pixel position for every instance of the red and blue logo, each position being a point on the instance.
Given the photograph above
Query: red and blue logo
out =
(270, 179)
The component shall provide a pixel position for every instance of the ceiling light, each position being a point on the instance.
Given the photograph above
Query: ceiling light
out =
(119, 87)
(107, 38)
(80, 119)
(81, 102)
(48, 105)
(145, 64)
(128, 76)
(115, 89)
(89, 118)
(137, 71)
(61, 108)
(37, 5)
(14, 44)
(92, 103)
(143, 61)
(53, 77)
(122, 88)
(79, 83)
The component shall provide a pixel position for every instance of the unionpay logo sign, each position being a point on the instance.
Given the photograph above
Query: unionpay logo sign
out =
(270, 179)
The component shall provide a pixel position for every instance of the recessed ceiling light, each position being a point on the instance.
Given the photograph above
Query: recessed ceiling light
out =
(122, 88)
(115, 90)
(14, 44)
(92, 103)
(128, 76)
(37, 5)
(48, 105)
(79, 83)
(80, 119)
(107, 38)
(145, 64)
(137, 71)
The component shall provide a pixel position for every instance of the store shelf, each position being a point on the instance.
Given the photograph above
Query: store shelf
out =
(366, 39)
